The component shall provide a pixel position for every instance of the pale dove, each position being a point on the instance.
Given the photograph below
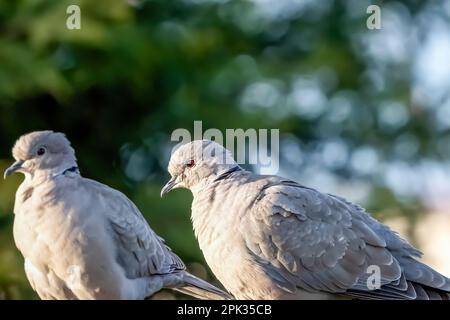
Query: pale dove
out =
(266, 237)
(82, 239)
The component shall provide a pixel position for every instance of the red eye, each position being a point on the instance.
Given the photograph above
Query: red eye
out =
(40, 152)
(190, 164)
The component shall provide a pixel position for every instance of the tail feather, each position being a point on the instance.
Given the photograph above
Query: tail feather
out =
(415, 291)
(419, 272)
(428, 293)
(201, 289)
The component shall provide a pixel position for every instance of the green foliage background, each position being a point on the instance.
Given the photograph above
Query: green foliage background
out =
(138, 70)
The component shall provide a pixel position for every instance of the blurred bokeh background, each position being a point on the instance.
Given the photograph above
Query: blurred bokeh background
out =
(362, 113)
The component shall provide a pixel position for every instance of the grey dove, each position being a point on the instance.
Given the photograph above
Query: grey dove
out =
(266, 237)
(81, 239)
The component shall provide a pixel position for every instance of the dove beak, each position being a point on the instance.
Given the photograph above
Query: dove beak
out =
(172, 183)
(16, 166)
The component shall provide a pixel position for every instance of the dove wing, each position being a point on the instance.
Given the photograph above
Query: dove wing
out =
(318, 242)
(140, 251)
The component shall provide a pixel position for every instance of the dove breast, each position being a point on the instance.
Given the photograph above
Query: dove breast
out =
(59, 229)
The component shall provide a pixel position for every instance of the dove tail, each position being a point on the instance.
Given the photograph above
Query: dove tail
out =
(201, 289)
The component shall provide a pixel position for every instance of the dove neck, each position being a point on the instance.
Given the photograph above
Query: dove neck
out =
(222, 175)
(40, 176)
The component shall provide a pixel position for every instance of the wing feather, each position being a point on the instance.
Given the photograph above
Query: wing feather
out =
(140, 251)
(321, 242)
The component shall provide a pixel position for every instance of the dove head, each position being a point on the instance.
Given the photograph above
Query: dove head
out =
(197, 162)
(42, 151)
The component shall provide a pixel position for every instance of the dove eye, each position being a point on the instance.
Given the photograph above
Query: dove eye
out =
(191, 163)
(41, 151)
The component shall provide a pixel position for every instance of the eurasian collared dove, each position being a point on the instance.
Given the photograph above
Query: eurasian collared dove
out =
(266, 237)
(84, 240)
